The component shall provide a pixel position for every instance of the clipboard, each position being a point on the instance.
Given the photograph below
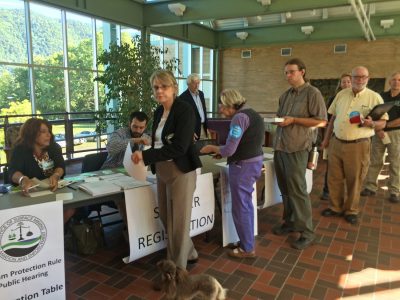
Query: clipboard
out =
(379, 110)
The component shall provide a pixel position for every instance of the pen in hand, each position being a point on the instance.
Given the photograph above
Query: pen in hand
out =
(32, 187)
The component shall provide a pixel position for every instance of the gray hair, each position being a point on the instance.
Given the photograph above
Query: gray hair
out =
(192, 77)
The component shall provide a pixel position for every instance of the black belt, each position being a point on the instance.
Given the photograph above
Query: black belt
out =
(353, 141)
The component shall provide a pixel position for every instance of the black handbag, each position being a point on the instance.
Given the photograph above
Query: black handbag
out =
(87, 236)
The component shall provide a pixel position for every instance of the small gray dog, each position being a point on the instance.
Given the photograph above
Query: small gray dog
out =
(177, 284)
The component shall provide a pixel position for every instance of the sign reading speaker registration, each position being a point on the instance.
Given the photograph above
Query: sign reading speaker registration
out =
(32, 252)
(146, 231)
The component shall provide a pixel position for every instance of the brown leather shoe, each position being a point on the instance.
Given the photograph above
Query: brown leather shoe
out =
(240, 253)
(367, 193)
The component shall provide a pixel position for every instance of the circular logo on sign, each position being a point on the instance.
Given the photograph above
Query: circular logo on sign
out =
(21, 238)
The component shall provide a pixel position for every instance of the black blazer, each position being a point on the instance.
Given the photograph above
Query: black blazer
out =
(187, 96)
(177, 138)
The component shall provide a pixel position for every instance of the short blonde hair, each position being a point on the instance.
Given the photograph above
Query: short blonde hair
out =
(165, 77)
(232, 98)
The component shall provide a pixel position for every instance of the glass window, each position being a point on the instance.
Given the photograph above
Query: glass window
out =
(207, 88)
(184, 58)
(81, 91)
(156, 40)
(80, 41)
(170, 51)
(14, 86)
(49, 90)
(196, 59)
(13, 34)
(207, 63)
(47, 40)
(127, 34)
(182, 86)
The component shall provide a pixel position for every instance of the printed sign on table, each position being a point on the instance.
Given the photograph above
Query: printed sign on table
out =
(272, 192)
(146, 231)
(32, 252)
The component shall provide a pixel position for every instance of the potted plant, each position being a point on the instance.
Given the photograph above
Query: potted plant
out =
(127, 70)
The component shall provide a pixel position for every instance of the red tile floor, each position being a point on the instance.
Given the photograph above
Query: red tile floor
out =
(347, 261)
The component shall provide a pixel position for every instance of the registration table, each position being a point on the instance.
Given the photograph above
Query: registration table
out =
(31, 233)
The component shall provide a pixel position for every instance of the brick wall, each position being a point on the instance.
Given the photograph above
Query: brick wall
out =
(260, 78)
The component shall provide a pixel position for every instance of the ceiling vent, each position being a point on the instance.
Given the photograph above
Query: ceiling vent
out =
(340, 48)
(246, 53)
(286, 51)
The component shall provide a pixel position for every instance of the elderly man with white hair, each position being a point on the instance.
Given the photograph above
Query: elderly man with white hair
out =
(195, 98)
(350, 144)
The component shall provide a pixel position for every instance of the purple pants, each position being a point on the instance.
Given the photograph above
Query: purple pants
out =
(242, 176)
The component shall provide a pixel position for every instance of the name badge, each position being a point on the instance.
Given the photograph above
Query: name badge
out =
(47, 165)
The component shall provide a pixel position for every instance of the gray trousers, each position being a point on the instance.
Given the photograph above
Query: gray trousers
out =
(290, 171)
(175, 195)
(377, 160)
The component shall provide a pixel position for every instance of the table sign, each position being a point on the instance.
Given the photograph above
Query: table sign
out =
(142, 208)
(32, 252)
(272, 192)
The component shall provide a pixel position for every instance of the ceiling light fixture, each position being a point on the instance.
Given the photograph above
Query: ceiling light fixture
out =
(386, 24)
(177, 9)
(307, 30)
(242, 35)
(264, 2)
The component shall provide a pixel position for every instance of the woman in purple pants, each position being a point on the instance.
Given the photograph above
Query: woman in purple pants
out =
(244, 153)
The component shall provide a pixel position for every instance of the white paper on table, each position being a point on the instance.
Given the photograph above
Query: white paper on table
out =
(137, 171)
(64, 196)
(40, 193)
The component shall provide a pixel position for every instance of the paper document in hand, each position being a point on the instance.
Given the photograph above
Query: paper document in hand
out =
(101, 187)
(137, 171)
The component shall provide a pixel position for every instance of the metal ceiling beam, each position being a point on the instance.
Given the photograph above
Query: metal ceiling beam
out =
(157, 14)
(363, 19)
(331, 30)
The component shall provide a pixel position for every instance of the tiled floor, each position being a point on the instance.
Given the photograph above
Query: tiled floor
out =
(349, 262)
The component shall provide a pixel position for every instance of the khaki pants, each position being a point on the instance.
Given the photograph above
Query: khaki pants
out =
(175, 195)
(377, 159)
(348, 165)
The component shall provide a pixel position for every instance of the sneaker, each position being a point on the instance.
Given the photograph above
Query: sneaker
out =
(367, 193)
(240, 253)
(282, 229)
(394, 198)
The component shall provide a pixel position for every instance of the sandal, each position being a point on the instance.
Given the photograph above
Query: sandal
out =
(240, 253)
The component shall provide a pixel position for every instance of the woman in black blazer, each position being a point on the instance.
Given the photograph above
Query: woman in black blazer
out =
(173, 158)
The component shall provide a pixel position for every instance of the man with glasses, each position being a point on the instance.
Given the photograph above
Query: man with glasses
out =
(195, 98)
(388, 139)
(303, 109)
(349, 146)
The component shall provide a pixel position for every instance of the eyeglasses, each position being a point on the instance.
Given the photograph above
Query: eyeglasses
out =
(357, 77)
(290, 71)
(162, 87)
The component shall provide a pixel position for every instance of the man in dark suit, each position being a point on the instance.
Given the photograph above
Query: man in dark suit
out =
(195, 98)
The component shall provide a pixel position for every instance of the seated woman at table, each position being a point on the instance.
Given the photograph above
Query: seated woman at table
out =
(174, 159)
(35, 154)
(244, 153)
